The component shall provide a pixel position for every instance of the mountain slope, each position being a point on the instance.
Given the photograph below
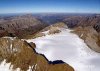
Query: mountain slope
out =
(22, 55)
(90, 37)
(21, 26)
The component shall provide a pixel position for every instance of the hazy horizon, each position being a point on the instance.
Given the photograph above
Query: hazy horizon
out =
(49, 6)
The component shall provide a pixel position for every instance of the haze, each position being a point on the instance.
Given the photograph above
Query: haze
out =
(42, 6)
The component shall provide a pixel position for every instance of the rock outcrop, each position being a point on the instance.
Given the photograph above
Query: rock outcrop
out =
(97, 27)
(90, 36)
(23, 55)
(52, 29)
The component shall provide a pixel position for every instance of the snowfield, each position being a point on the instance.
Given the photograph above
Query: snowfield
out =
(70, 48)
(64, 46)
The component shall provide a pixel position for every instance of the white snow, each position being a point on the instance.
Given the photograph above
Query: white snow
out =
(12, 38)
(45, 32)
(6, 67)
(70, 48)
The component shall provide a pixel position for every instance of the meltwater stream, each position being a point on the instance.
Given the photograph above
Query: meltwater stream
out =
(70, 48)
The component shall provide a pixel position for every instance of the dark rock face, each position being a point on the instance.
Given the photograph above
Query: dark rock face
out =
(56, 62)
(72, 21)
(97, 27)
(22, 55)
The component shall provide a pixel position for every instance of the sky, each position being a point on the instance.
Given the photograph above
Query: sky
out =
(43, 6)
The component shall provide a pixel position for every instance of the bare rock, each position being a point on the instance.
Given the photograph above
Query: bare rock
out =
(90, 37)
(23, 55)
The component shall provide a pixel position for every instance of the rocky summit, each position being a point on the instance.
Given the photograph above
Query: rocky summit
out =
(22, 55)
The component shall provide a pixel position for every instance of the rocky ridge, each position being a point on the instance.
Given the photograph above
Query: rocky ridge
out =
(90, 36)
(20, 26)
(23, 55)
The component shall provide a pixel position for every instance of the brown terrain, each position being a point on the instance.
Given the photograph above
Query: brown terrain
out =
(75, 21)
(87, 28)
(23, 55)
(52, 29)
(20, 26)
(90, 36)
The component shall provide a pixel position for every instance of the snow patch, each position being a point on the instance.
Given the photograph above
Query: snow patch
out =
(12, 38)
(45, 32)
(7, 66)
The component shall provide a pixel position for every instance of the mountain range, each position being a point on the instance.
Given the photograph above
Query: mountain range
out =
(16, 29)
